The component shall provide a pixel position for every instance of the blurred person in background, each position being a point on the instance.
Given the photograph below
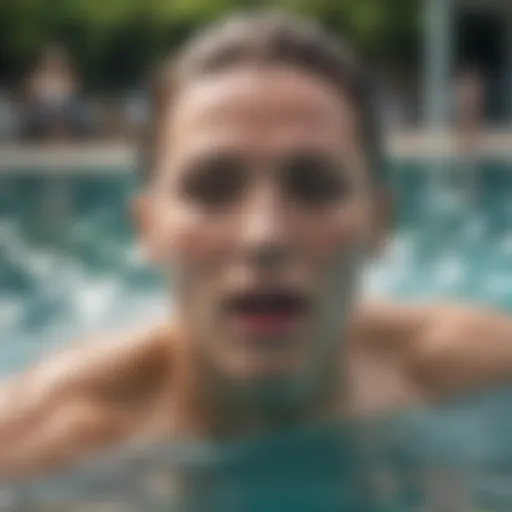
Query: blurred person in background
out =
(470, 109)
(262, 196)
(52, 97)
(469, 123)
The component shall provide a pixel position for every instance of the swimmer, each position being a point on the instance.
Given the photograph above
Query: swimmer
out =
(262, 198)
(470, 95)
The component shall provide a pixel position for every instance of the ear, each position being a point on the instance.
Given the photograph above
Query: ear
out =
(382, 220)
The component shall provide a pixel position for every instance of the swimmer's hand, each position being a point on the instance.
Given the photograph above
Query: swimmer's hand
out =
(448, 350)
(78, 401)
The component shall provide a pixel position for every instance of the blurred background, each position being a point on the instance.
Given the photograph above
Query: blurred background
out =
(76, 71)
(73, 100)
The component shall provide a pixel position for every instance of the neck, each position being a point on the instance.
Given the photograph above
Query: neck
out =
(212, 405)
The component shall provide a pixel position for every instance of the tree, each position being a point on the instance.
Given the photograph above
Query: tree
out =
(114, 41)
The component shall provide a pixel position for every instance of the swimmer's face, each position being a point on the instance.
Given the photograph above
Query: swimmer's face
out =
(262, 209)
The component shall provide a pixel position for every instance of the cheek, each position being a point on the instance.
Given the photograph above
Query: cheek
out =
(189, 238)
(337, 232)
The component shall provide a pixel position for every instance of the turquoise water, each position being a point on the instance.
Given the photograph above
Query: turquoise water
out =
(69, 266)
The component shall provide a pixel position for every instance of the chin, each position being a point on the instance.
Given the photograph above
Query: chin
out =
(260, 370)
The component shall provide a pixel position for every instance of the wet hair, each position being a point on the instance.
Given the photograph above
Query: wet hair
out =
(261, 38)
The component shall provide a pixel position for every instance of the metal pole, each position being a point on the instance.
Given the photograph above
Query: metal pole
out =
(437, 62)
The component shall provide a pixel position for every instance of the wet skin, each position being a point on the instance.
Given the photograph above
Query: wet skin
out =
(262, 212)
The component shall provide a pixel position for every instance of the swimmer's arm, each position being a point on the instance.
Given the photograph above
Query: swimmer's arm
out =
(72, 403)
(36, 438)
(459, 349)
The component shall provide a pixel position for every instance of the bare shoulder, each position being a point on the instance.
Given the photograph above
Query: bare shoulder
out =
(420, 336)
(386, 342)
(118, 368)
(379, 352)
(79, 399)
(387, 324)
(444, 348)
(107, 366)
(380, 322)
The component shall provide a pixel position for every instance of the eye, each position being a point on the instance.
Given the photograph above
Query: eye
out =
(314, 179)
(215, 182)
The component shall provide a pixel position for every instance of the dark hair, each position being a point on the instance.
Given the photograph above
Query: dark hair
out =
(268, 37)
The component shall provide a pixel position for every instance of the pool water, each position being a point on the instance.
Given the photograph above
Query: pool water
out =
(69, 265)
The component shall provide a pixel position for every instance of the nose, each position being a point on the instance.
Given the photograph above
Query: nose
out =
(266, 230)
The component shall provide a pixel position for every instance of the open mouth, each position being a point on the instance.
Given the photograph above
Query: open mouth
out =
(269, 312)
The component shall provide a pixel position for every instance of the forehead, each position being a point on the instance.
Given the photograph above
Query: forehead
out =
(259, 110)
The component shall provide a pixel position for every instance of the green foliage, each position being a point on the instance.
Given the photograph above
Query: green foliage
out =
(115, 40)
